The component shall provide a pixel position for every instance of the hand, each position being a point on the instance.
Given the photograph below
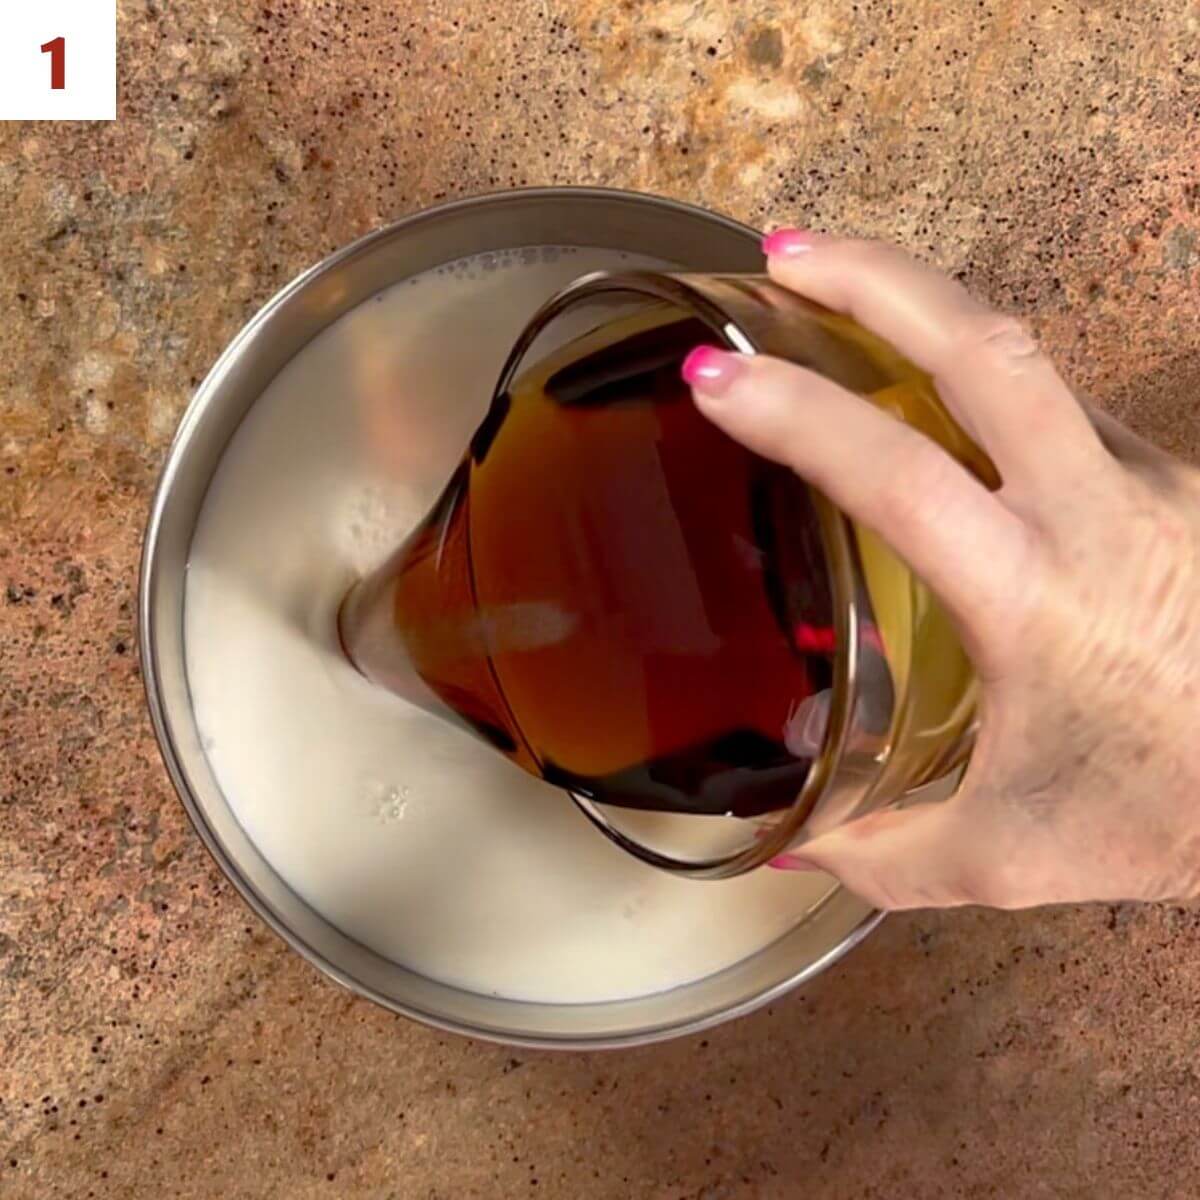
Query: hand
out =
(1075, 587)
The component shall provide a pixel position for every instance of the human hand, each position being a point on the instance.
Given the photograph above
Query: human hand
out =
(1075, 588)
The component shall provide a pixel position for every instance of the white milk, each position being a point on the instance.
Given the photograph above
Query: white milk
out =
(405, 833)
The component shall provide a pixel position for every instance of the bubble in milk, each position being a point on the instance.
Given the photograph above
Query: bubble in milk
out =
(387, 802)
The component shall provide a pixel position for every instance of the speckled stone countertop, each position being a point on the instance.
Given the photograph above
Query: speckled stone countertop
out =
(155, 1040)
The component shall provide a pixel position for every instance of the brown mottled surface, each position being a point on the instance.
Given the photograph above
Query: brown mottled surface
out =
(154, 1040)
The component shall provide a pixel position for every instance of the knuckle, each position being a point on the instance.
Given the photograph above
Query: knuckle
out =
(999, 336)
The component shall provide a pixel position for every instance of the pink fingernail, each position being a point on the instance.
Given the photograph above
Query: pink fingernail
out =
(787, 243)
(710, 370)
(791, 862)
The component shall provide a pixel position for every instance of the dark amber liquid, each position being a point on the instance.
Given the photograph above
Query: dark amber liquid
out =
(615, 594)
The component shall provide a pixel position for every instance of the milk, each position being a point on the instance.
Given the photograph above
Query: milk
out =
(405, 833)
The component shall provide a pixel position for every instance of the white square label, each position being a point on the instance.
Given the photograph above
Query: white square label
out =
(58, 60)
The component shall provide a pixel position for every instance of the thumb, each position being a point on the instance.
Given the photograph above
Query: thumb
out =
(899, 858)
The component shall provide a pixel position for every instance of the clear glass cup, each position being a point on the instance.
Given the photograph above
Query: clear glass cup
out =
(897, 708)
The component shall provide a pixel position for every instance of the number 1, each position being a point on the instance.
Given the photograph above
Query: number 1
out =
(57, 49)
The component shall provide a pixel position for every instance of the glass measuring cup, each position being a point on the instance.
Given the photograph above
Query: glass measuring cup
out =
(627, 604)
